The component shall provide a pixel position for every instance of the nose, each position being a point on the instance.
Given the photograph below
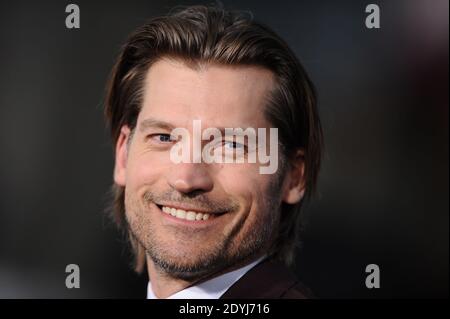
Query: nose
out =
(190, 177)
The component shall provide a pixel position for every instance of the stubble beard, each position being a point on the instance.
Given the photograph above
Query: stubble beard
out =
(224, 253)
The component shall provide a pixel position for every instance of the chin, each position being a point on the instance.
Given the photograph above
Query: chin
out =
(199, 266)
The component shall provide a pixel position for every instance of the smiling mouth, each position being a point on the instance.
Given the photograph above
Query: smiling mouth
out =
(188, 215)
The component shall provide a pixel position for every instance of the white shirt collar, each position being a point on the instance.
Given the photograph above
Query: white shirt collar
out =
(211, 289)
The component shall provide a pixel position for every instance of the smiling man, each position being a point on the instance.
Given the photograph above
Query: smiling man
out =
(217, 229)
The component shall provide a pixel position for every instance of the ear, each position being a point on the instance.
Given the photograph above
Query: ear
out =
(295, 179)
(120, 167)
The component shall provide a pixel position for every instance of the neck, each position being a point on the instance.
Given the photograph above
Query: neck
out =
(164, 285)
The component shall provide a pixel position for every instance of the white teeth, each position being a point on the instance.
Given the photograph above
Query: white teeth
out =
(182, 214)
(190, 215)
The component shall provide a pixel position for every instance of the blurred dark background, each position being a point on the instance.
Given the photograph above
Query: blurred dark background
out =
(383, 193)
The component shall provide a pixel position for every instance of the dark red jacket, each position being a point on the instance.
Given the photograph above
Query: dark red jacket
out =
(269, 280)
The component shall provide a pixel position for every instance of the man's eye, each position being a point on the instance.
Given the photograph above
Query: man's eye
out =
(233, 145)
(161, 138)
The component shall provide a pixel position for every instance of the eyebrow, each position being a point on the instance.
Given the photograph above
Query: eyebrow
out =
(154, 123)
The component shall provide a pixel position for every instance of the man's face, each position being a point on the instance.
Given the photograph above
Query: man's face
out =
(243, 206)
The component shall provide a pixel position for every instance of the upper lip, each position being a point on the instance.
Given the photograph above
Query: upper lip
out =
(189, 208)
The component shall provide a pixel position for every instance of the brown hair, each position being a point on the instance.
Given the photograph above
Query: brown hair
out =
(201, 34)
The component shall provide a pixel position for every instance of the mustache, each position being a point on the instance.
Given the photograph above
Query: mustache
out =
(195, 199)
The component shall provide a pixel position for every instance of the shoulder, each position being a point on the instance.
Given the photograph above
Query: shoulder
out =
(271, 280)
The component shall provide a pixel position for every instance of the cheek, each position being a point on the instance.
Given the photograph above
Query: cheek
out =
(243, 181)
(145, 168)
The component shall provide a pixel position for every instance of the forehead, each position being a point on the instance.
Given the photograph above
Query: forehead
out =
(218, 95)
